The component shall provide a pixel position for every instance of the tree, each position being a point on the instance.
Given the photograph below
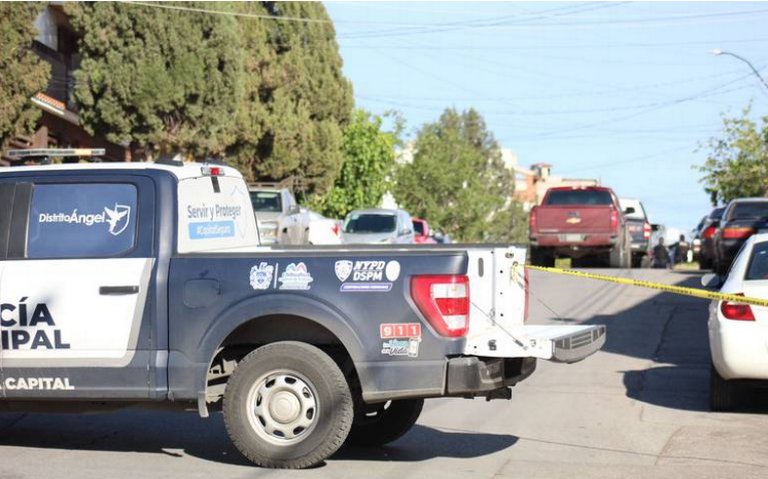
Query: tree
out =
(737, 165)
(458, 182)
(369, 158)
(156, 78)
(22, 72)
(297, 100)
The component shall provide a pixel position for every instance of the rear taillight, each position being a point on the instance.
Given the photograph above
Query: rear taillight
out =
(527, 285)
(532, 221)
(444, 301)
(336, 229)
(709, 232)
(735, 233)
(614, 219)
(647, 231)
(736, 311)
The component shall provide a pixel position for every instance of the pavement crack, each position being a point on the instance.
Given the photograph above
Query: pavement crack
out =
(667, 444)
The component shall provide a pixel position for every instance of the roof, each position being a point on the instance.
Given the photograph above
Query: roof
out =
(561, 188)
(376, 211)
(184, 171)
(749, 200)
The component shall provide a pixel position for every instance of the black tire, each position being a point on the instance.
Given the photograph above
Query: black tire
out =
(322, 399)
(384, 424)
(542, 257)
(723, 395)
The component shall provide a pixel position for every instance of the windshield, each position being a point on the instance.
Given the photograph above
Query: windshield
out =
(418, 228)
(370, 223)
(266, 201)
(579, 197)
(751, 210)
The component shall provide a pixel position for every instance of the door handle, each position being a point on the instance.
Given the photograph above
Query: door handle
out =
(118, 290)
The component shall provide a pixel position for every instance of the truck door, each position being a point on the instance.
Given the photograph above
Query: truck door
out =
(74, 287)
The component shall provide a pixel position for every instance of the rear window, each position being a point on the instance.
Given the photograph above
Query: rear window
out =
(266, 202)
(717, 213)
(579, 197)
(758, 265)
(368, 223)
(82, 220)
(750, 210)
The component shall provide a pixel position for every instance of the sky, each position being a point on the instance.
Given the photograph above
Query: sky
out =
(626, 92)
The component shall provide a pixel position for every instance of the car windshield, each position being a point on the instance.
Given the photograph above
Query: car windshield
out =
(266, 201)
(370, 223)
(758, 265)
(418, 228)
(579, 197)
(749, 210)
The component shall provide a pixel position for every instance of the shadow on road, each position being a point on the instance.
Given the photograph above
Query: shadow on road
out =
(184, 434)
(423, 443)
(671, 331)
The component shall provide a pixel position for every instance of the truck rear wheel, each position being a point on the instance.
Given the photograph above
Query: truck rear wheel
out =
(288, 406)
(542, 257)
(384, 423)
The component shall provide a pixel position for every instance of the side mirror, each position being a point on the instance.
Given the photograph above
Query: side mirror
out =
(654, 227)
(406, 232)
(710, 280)
(294, 210)
(629, 211)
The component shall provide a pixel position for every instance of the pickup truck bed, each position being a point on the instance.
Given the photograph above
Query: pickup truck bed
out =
(145, 285)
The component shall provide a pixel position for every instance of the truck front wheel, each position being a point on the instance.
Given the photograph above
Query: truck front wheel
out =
(288, 406)
(376, 425)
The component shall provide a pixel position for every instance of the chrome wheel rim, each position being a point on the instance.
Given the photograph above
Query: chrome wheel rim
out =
(282, 407)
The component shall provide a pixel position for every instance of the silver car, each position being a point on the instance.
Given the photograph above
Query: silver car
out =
(378, 226)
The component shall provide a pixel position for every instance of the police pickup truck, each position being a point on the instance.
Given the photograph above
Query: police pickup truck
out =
(145, 285)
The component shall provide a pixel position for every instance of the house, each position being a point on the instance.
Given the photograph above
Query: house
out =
(59, 125)
(531, 184)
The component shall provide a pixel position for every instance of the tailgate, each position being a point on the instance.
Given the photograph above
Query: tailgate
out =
(576, 219)
(496, 322)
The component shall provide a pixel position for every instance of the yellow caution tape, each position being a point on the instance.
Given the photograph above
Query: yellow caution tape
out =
(696, 293)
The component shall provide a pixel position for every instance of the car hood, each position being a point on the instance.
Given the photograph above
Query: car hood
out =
(367, 237)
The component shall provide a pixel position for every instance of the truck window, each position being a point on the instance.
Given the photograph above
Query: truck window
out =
(266, 202)
(418, 228)
(370, 224)
(579, 197)
(82, 220)
(214, 220)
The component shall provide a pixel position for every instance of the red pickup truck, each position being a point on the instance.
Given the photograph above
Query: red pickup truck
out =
(585, 224)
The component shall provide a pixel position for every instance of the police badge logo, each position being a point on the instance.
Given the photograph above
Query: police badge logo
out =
(343, 269)
(261, 276)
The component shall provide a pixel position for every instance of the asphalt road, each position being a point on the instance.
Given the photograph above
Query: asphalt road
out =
(636, 409)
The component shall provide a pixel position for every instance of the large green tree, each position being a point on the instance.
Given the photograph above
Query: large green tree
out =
(297, 100)
(22, 73)
(737, 165)
(160, 79)
(369, 158)
(458, 181)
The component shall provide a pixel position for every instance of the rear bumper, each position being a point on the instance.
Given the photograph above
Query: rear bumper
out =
(589, 240)
(473, 375)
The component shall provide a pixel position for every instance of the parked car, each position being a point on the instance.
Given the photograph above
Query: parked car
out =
(422, 234)
(707, 235)
(741, 218)
(143, 285)
(278, 215)
(321, 230)
(639, 230)
(738, 333)
(586, 224)
(378, 225)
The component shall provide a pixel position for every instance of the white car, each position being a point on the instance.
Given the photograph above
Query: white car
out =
(738, 333)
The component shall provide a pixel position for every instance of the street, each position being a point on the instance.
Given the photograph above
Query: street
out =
(638, 408)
